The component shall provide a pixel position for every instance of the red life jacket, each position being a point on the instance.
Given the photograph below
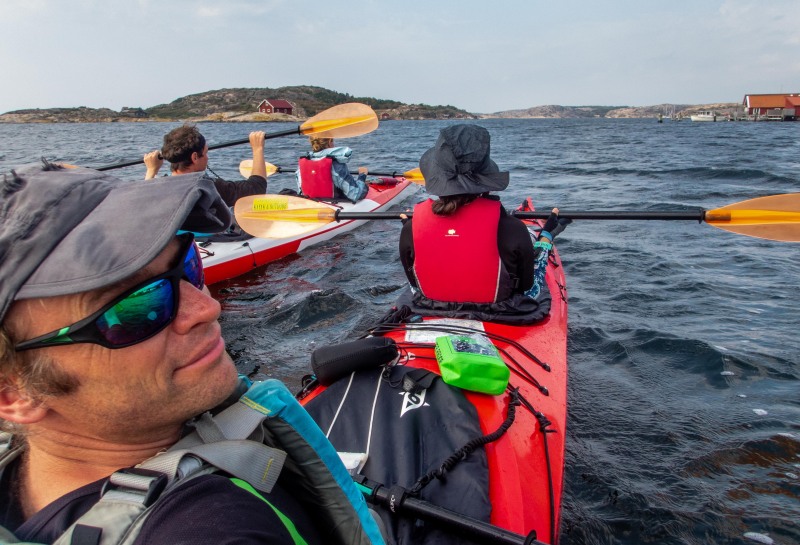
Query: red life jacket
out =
(316, 180)
(456, 257)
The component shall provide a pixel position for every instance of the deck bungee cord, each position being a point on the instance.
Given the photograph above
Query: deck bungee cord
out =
(466, 330)
(460, 454)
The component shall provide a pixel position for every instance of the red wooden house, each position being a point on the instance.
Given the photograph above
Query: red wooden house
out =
(275, 106)
(785, 106)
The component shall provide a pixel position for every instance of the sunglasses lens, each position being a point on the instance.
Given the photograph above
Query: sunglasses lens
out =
(141, 314)
(193, 267)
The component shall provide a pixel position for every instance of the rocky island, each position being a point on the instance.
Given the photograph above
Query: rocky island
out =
(616, 112)
(243, 104)
(237, 105)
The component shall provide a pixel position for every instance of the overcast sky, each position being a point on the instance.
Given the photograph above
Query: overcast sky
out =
(477, 55)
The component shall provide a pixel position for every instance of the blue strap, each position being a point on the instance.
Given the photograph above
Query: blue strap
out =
(273, 399)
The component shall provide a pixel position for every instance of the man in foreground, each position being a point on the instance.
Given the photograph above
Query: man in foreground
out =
(187, 151)
(109, 344)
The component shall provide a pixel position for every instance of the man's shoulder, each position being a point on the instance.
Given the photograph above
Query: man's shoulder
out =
(205, 509)
(213, 509)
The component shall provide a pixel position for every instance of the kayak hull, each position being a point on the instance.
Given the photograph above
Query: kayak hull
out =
(526, 464)
(226, 260)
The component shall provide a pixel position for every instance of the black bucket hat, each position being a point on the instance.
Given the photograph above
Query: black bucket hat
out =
(459, 163)
(71, 230)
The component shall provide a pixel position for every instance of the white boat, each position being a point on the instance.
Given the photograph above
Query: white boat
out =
(704, 116)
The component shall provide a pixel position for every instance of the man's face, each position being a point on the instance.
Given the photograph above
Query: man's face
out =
(201, 162)
(143, 391)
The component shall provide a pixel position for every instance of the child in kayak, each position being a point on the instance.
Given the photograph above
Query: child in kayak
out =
(323, 174)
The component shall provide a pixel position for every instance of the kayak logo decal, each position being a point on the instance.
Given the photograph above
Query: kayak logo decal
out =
(412, 401)
(451, 233)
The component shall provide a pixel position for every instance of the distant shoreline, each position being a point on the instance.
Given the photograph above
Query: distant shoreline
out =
(241, 106)
(88, 115)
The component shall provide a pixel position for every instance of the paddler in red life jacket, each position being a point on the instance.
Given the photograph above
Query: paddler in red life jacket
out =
(323, 174)
(464, 247)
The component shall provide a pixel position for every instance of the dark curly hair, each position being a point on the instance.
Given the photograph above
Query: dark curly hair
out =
(180, 143)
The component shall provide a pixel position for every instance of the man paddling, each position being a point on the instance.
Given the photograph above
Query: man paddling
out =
(109, 344)
(187, 151)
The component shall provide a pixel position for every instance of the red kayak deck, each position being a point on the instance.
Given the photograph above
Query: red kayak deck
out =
(526, 464)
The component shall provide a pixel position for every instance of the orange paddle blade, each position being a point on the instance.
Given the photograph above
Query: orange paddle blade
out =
(414, 175)
(776, 217)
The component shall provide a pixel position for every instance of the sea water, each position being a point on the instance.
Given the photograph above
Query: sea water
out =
(684, 353)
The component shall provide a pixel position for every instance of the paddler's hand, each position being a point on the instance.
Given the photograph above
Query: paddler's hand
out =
(363, 170)
(153, 162)
(257, 139)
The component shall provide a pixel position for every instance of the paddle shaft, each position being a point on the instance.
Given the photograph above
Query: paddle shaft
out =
(476, 530)
(288, 132)
(394, 174)
(698, 215)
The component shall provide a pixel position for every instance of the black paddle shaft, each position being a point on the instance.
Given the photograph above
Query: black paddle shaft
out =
(692, 215)
(696, 215)
(215, 146)
(396, 500)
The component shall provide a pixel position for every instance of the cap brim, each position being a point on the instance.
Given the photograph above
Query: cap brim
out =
(126, 231)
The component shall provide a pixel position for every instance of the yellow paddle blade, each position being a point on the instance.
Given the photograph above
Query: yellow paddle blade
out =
(246, 168)
(776, 217)
(281, 216)
(342, 121)
(415, 175)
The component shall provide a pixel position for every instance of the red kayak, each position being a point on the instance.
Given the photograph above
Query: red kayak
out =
(224, 260)
(526, 463)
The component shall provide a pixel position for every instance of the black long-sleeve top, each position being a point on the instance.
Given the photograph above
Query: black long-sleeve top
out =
(233, 191)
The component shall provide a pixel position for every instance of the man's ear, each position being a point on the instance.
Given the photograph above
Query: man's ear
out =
(19, 407)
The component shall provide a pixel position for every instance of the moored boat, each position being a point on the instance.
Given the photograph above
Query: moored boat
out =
(223, 259)
(391, 425)
(704, 116)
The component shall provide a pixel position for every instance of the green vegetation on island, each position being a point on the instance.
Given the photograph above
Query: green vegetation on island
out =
(238, 105)
(242, 104)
